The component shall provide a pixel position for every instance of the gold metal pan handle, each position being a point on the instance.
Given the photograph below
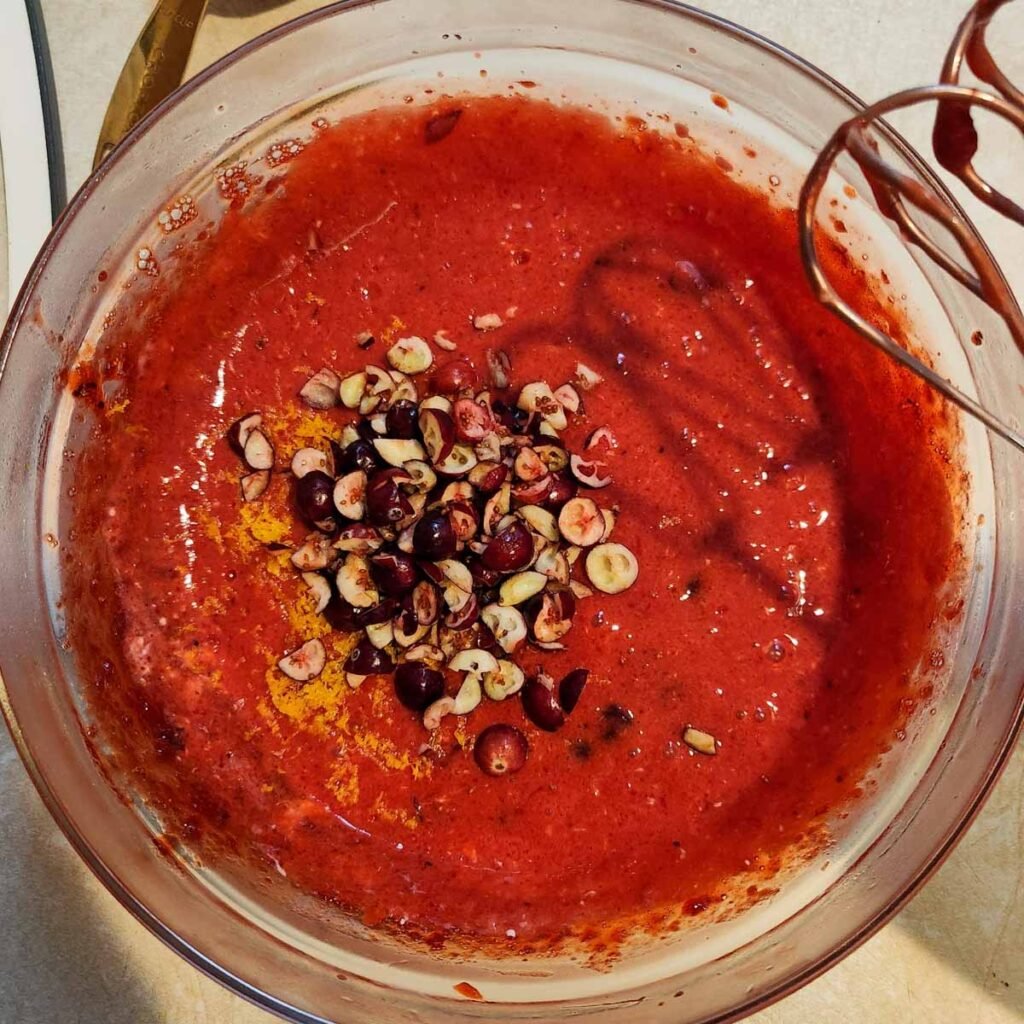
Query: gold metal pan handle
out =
(155, 68)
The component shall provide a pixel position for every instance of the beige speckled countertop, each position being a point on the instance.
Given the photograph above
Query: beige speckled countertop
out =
(71, 955)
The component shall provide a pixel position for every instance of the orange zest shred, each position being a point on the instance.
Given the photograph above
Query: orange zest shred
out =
(386, 755)
(393, 815)
(294, 426)
(323, 706)
(392, 331)
(259, 524)
(344, 783)
(316, 706)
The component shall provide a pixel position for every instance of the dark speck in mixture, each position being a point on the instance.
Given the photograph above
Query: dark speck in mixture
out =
(441, 126)
(580, 749)
(617, 720)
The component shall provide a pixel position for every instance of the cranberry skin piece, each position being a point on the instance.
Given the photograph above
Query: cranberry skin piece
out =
(432, 572)
(531, 608)
(406, 621)
(486, 642)
(234, 434)
(465, 616)
(454, 376)
(564, 605)
(493, 480)
(386, 504)
(541, 706)
(509, 550)
(472, 421)
(314, 495)
(366, 430)
(402, 419)
(511, 417)
(532, 492)
(500, 750)
(360, 454)
(570, 689)
(380, 612)
(482, 576)
(341, 616)
(366, 660)
(417, 685)
(395, 574)
(437, 429)
(433, 537)
(399, 476)
(562, 490)
(405, 617)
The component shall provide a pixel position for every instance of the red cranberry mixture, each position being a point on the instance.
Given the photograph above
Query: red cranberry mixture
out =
(409, 670)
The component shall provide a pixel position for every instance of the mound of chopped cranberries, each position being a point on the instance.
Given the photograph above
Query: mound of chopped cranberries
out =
(448, 522)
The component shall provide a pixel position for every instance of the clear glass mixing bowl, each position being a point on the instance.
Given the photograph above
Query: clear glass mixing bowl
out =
(621, 56)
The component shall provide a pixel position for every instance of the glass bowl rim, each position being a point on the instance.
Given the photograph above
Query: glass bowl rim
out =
(120, 889)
